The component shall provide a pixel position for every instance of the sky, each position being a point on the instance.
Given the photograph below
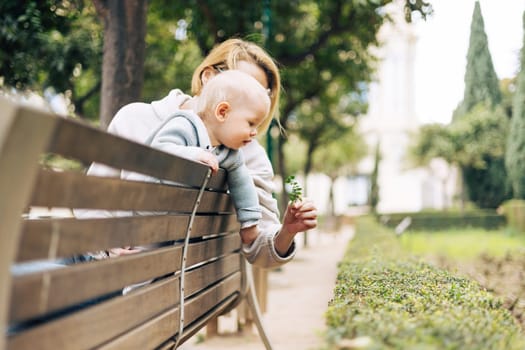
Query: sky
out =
(441, 51)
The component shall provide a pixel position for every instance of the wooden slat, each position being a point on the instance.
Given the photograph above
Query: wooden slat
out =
(74, 190)
(52, 238)
(72, 139)
(93, 326)
(197, 325)
(56, 289)
(43, 292)
(208, 274)
(202, 251)
(24, 134)
(160, 329)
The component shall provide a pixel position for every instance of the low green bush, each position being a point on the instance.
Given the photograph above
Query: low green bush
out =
(514, 211)
(402, 303)
(440, 220)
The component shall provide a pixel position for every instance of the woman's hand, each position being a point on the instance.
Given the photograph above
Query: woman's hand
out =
(300, 216)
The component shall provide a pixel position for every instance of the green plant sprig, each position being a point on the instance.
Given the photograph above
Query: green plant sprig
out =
(297, 191)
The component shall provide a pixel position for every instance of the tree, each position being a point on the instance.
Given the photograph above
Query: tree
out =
(331, 117)
(374, 185)
(339, 157)
(50, 44)
(315, 42)
(481, 81)
(124, 52)
(476, 144)
(310, 39)
(482, 87)
(515, 154)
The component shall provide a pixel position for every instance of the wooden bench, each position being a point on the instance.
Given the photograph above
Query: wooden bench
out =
(199, 275)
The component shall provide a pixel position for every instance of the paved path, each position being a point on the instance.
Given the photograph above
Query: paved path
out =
(298, 296)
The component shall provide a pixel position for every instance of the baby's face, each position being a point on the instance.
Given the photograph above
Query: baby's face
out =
(240, 127)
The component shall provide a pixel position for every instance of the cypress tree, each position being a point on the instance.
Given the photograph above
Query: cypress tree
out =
(486, 187)
(515, 152)
(481, 81)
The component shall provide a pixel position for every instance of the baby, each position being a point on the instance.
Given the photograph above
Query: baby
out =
(227, 113)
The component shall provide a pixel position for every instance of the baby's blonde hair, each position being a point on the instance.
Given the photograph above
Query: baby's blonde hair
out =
(232, 86)
(226, 56)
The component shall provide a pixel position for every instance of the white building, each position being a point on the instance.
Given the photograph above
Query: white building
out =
(391, 121)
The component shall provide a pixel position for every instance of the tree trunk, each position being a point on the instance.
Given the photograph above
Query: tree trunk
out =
(306, 171)
(282, 171)
(124, 52)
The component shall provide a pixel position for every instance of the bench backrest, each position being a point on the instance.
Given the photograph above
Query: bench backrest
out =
(81, 305)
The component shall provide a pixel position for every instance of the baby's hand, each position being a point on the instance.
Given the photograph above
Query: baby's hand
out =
(209, 159)
(249, 234)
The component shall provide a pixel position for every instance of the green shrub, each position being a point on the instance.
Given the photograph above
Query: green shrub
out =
(402, 303)
(514, 211)
(486, 219)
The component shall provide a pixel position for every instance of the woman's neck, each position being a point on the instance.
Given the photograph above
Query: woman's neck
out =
(188, 104)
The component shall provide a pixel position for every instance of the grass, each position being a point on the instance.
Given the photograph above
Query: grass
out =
(464, 244)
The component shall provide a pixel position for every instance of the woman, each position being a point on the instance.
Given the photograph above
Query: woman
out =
(274, 245)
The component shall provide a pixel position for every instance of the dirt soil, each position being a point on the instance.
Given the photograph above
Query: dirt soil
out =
(298, 296)
(505, 277)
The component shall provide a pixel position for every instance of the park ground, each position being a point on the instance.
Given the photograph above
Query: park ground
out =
(298, 296)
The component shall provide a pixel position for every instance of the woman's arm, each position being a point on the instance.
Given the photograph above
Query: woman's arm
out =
(275, 245)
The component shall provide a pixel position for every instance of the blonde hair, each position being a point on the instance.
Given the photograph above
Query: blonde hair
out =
(234, 87)
(226, 56)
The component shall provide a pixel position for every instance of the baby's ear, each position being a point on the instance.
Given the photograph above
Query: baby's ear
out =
(221, 111)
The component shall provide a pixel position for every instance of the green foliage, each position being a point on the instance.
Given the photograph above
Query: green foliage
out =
(487, 187)
(50, 44)
(442, 220)
(432, 141)
(481, 81)
(508, 88)
(169, 61)
(295, 154)
(484, 174)
(24, 32)
(479, 135)
(482, 136)
(476, 142)
(330, 121)
(476, 139)
(464, 244)
(515, 156)
(322, 48)
(514, 211)
(340, 156)
(296, 190)
(53, 161)
(402, 303)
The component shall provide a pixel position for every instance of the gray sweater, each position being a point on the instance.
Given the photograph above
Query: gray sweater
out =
(184, 134)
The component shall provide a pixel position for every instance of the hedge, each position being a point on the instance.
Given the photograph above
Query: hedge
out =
(514, 211)
(399, 302)
(486, 219)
